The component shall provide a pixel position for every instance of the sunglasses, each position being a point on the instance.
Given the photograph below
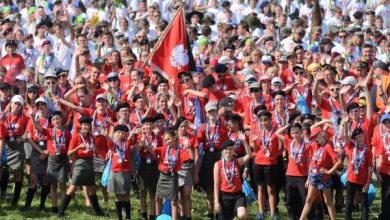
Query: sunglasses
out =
(62, 76)
(253, 90)
(50, 82)
(334, 89)
(342, 36)
(112, 80)
(299, 73)
(277, 84)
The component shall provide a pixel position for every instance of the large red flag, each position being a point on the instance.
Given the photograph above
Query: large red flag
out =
(172, 53)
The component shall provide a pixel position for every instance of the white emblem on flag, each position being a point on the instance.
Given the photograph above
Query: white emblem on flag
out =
(179, 57)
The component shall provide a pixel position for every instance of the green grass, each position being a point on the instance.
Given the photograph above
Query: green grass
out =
(78, 210)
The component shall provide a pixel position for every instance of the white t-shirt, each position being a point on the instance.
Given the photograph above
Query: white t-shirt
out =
(63, 52)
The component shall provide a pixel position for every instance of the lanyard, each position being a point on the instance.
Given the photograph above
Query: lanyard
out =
(253, 106)
(190, 107)
(265, 142)
(151, 143)
(97, 124)
(90, 144)
(228, 173)
(212, 139)
(357, 126)
(385, 142)
(172, 160)
(297, 153)
(120, 121)
(59, 142)
(120, 150)
(111, 102)
(358, 158)
(297, 93)
(317, 158)
(138, 115)
(350, 98)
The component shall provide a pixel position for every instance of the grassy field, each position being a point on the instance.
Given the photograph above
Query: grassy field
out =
(78, 210)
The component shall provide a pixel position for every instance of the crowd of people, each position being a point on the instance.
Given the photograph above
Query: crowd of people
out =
(278, 99)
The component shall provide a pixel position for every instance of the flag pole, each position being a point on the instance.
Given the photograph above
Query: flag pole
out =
(163, 35)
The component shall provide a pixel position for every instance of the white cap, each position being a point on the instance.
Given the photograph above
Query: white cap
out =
(225, 60)
(21, 77)
(248, 77)
(246, 71)
(349, 80)
(17, 98)
(101, 96)
(277, 79)
(211, 106)
(51, 74)
(266, 59)
(41, 99)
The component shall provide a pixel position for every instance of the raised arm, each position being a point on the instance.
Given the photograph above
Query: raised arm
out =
(317, 95)
(279, 133)
(245, 159)
(71, 105)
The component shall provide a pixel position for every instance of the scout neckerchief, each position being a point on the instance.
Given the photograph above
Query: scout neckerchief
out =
(317, 158)
(358, 158)
(212, 139)
(45, 124)
(172, 160)
(59, 142)
(229, 173)
(237, 141)
(189, 105)
(89, 144)
(221, 86)
(120, 150)
(138, 115)
(169, 120)
(385, 142)
(97, 124)
(44, 62)
(338, 143)
(266, 141)
(297, 153)
(112, 103)
(278, 118)
(298, 94)
(50, 104)
(153, 141)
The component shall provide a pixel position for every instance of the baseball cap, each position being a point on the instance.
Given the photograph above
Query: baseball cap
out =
(41, 99)
(211, 106)
(225, 60)
(349, 80)
(17, 99)
(101, 96)
(276, 80)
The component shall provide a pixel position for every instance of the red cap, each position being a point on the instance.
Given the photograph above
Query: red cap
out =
(45, 42)
(314, 132)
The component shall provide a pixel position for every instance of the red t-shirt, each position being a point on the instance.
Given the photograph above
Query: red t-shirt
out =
(207, 134)
(376, 139)
(384, 150)
(192, 144)
(322, 157)
(15, 124)
(367, 126)
(57, 138)
(297, 150)
(362, 176)
(35, 135)
(327, 106)
(151, 140)
(225, 174)
(214, 96)
(189, 104)
(78, 139)
(14, 66)
(239, 148)
(267, 140)
(174, 154)
(120, 163)
(227, 84)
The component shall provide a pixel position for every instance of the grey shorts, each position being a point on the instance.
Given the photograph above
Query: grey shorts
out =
(120, 183)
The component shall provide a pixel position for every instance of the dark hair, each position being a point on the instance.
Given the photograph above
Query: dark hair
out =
(295, 125)
(171, 132)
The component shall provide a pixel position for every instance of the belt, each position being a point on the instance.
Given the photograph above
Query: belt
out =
(188, 161)
(168, 173)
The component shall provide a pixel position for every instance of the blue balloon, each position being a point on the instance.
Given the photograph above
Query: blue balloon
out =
(164, 217)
